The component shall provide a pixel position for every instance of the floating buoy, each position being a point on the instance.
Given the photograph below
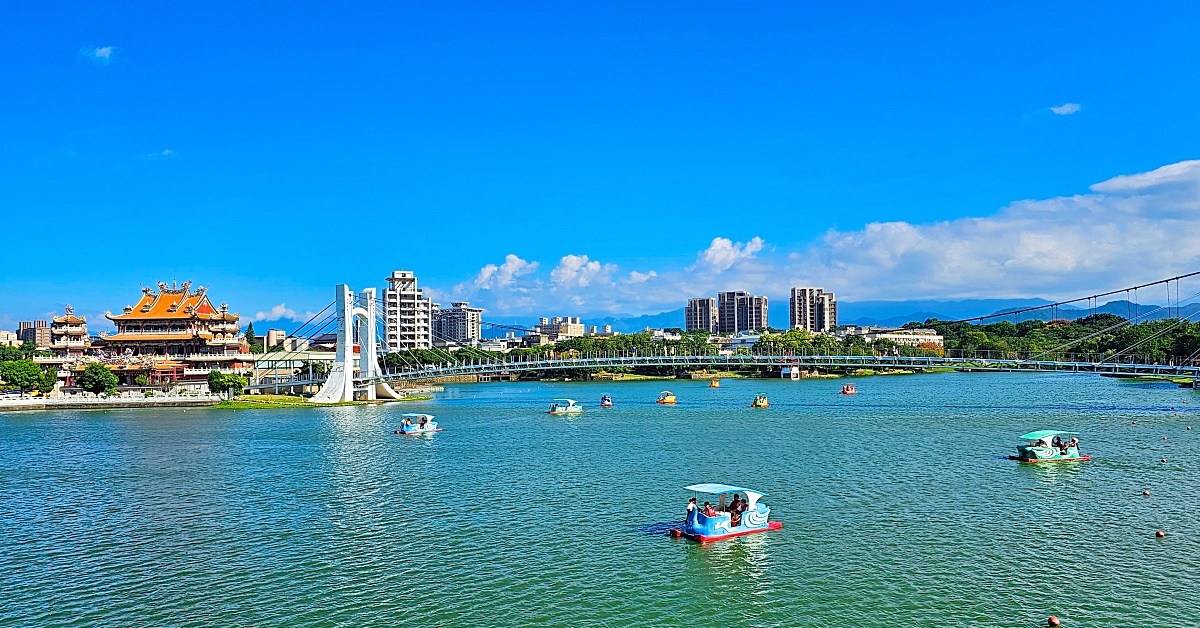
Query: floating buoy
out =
(1146, 493)
(1164, 438)
(1163, 460)
(1160, 534)
(1135, 422)
(1189, 427)
(1053, 621)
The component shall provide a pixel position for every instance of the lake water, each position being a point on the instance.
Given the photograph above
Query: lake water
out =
(899, 508)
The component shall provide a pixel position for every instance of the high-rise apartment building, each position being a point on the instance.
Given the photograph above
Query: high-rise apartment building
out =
(752, 313)
(701, 314)
(740, 311)
(813, 309)
(461, 324)
(36, 332)
(727, 311)
(407, 313)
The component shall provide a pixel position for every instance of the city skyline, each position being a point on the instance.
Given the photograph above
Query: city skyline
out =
(596, 160)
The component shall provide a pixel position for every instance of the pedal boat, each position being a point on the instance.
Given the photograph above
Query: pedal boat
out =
(1039, 447)
(704, 529)
(760, 402)
(666, 397)
(849, 389)
(605, 401)
(414, 423)
(714, 382)
(565, 406)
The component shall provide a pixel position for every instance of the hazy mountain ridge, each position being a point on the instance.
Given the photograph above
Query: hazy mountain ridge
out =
(882, 313)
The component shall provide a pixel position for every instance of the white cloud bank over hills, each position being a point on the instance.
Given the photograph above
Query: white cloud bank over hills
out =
(1127, 230)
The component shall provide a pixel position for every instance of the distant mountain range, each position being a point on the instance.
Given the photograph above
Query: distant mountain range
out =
(882, 313)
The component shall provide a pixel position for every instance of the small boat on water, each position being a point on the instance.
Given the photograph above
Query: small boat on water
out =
(716, 522)
(414, 423)
(760, 401)
(565, 406)
(715, 383)
(666, 397)
(1049, 446)
(849, 389)
(605, 401)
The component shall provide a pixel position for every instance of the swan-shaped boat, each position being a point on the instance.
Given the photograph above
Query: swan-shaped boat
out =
(738, 517)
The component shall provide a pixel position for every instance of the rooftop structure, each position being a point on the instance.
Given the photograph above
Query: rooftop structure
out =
(69, 335)
(175, 321)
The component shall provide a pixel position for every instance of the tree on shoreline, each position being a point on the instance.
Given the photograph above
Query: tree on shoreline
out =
(20, 374)
(97, 378)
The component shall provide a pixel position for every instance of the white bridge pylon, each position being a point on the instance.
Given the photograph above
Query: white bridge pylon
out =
(339, 386)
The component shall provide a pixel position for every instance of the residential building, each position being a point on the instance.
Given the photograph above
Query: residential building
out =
(274, 337)
(36, 332)
(407, 314)
(907, 337)
(9, 339)
(175, 321)
(560, 328)
(68, 334)
(701, 314)
(740, 311)
(461, 324)
(727, 311)
(752, 313)
(812, 309)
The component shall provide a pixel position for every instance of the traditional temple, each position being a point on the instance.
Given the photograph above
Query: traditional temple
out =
(175, 321)
(68, 335)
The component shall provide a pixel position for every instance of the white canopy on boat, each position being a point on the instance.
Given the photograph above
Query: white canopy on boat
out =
(716, 489)
(417, 414)
(570, 402)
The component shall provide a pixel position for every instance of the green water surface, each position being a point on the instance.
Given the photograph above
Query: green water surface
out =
(899, 507)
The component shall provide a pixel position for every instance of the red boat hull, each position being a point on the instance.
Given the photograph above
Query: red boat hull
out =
(1079, 459)
(771, 526)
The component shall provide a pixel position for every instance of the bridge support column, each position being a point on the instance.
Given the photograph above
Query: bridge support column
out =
(339, 386)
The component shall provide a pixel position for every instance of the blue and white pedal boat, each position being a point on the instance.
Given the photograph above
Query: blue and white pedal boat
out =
(704, 528)
(416, 423)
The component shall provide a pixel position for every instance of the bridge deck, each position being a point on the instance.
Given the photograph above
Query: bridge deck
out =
(771, 361)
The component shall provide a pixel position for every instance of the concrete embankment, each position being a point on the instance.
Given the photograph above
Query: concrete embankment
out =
(111, 403)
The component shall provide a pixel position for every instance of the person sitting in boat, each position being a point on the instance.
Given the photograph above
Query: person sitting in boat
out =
(1058, 443)
(709, 511)
(424, 420)
(1074, 442)
(736, 507)
(691, 509)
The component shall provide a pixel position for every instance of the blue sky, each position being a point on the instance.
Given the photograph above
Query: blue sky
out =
(542, 158)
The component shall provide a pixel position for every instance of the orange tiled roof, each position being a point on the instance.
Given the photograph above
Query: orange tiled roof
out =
(173, 303)
(69, 318)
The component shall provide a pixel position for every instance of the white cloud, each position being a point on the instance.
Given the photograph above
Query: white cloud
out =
(578, 271)
(723, 253)
(493, 276)
(1066, 109)
(100, 55)
(636, 277)
(164, 154)
(1141, 227)
(282, 311)
(1126, 230)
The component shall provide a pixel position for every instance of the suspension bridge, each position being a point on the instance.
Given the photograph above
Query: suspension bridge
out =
(356, 372)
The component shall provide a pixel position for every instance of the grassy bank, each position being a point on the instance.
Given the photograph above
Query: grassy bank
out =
(256, 402)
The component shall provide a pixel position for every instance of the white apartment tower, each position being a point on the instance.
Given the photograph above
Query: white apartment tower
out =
(406, 313)
(701, 313)
(813, 309)
(461, 324)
